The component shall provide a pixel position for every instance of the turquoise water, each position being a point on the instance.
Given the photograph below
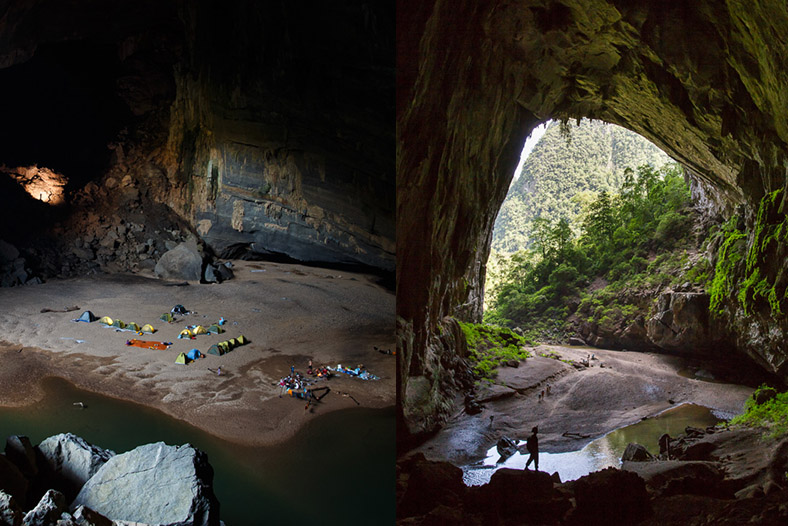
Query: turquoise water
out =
(339, 469)
(602, 452)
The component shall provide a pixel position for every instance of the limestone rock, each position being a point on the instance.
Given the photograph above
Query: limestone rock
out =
(636, 453)
(428, 485)
(21, 452)
(8, 252)
(527, 496)
(10, 514)
(85, 516)
(182, 262)
(576, 340)
(154, 484)
(69, 461)
(610, 496)
(47, 511)
(12, 481)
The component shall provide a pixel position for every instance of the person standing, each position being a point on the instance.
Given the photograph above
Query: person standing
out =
(532, 444)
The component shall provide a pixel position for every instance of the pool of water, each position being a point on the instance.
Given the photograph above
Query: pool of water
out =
(339, 469)
(602, 452)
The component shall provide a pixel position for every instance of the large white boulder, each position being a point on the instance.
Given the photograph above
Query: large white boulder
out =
(154, 484)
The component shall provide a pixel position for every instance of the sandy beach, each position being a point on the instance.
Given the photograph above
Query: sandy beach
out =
(290, 314)
(618, 389)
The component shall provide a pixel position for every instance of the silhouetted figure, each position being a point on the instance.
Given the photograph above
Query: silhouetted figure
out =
(491, 419)
(548, 389)
(532, 445)
(664, 445)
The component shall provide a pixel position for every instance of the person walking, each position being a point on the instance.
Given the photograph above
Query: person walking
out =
(532, 444)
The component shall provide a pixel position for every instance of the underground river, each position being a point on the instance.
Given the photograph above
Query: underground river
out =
(337, 469)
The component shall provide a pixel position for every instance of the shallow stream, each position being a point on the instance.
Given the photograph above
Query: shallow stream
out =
(338, 469)
(602, 452)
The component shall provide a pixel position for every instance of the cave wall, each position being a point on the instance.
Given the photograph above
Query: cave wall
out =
(705, 81)
(265, 127)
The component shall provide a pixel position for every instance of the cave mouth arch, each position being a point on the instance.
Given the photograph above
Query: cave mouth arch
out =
(698, 81)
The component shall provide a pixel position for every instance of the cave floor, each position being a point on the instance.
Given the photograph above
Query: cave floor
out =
(290, 314)
(618, 389)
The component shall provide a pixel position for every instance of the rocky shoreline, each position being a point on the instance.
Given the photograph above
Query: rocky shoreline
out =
(66, 481)
(714, 476)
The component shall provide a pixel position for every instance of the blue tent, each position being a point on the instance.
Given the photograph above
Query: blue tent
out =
(193, 354)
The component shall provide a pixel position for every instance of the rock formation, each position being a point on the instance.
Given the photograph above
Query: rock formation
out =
(152, 484)
(173, 482)
(702, 81)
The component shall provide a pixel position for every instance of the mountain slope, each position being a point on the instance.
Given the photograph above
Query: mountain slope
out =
(559, 176)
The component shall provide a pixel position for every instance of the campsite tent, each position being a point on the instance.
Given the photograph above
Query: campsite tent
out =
(87, 316)
(118, 324)
(106, 320)
(193, 354)
(241, 340)
(167, 317)
(181, 359)
(148, 329)
(185, 333)
(133, 327)
(215, 349)
(215, 329)
(199, 329)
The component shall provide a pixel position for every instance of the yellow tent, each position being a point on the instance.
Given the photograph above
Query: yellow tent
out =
(199, 330)
(186, 333)
(148, 328)
(242, 340)
(133, 327)
(106, 320)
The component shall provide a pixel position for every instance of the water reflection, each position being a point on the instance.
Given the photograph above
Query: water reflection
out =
(603, 452)
(344, 458)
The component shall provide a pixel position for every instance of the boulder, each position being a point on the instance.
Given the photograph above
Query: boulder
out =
(20, 451)
(610, 496)
(182, 262)
(47, 511)
(576, 340)
(225, 271)
(154, 484)
(12, 481)
(10, 514)
(527, 495)
(68, 461)
(636, 453)
(430, 484)
(210, 274)
(675, 477)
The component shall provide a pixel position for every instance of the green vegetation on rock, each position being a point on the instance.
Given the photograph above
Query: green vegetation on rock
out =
(633, 241)
(771, 413)
(491, 346)
(561, 176)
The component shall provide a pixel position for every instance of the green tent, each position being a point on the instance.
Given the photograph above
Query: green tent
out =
(118, 324)
(166, 317)
(215, 349)
(181, 359)
(215, 329)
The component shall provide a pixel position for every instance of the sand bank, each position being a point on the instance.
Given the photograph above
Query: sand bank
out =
(290, 314)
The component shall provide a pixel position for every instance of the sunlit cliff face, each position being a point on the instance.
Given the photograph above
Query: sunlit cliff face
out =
(41, 183)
